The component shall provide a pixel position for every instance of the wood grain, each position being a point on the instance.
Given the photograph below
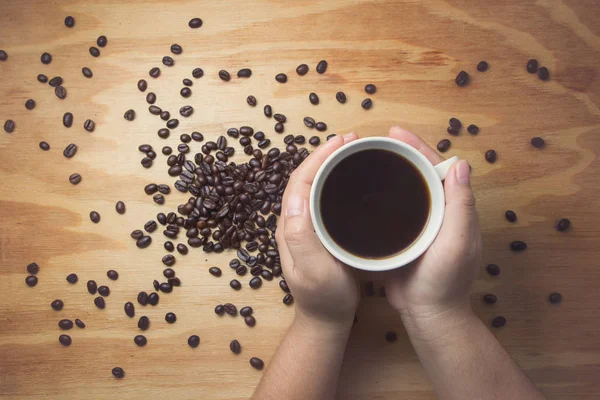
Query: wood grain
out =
(411, 50)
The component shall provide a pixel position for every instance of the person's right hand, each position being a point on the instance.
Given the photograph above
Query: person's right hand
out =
(440, 280)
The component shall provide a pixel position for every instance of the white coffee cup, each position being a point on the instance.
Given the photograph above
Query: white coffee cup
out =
(433, 175)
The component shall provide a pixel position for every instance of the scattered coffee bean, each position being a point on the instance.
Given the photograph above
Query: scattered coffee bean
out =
(46, 58)
(309, 122)
(31, 280)
(493, 269)
(284, 286)
(250, 321)
(129, 309)
(235, 284)
(60, 92)
(30, 104)
(44, 146)
(510, 215)
(367, 104)
(104, 291)
(153, 298)
(215, 271)
(33, 268)
(370, 89)
(473, 129)
(340, 97)
(279, 128)
(302, 69)
(453, 130)
(57, 305)
(322, 67)
(65, 324)
(195, 23)
(244, 73)
(120, 207)
(194, 341)
(532, 66)
(313, 98)
(65, 340)
(314, 141)
(144, 323)
(140, 340)
(101, 41)
(70, 150)
(94, 51)
(3, 55)
(235, 347)
(543, 73)
(462, 79)
(455, 123)
(268, 110)
(490, 156)
(89, 125)
(224, 75)
(482, 66)
(69, 22)
(499, 322)
(129, 115)
(230, 309)
(99, 302)
(186, 111)
(391, 337)
(321, 126)
(68, 119)
(198, 73)
(563, 225)
(537, 142)
(170, 317)
(142, 298)
(185, 92)
(220, 309)
(94, 217)
(87, 72)
(246, 311)
(490, 299)
(72, 278)
(288, 299)
(159, 198)
(518, 245)
(142, 85)
(251, 100)
(112, 274)
(118, 372)
(92, 287)
(281, 78)
(42, 78)
(256, 362)
(187, 82)
(143, 242)
(555, 298)
(168, 61)
(154, 72)
(169, 260)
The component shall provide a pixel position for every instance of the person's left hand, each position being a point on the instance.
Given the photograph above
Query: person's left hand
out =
(323, 288)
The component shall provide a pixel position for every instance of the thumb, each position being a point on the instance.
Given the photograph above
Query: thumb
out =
(298, 231)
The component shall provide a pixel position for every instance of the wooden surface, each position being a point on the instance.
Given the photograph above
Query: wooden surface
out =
(411, 50)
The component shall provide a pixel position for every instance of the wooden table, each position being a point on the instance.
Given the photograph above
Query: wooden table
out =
(412, 51)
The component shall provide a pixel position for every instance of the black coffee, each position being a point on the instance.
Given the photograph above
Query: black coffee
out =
(375, 204)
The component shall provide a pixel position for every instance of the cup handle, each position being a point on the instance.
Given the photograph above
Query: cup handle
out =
(443, 167)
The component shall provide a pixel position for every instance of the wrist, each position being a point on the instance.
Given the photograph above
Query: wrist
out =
(319, 328)
(434, 324)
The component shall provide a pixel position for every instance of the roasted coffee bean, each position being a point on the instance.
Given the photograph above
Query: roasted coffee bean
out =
(518, 245)
(150, 226)
(224, 75)
(220, 309)
(140, 340)
(103, 291)
(241, 270)
(462, 78)
(186, 111)
(69, 22)
(510, 216)
(92, 287)
(555, 298)
(250, 321)
(543, 73)
(163, 133)
(195, 23)
(453, 130)
(101, 41)
(281, 78)
(33, 268)
(300, 139)
(279, 128)
(313, 98)
(94, 217)
(65, 324)
(182, 249)
(537, 142)
(194, 341)
(60, 92)
(235, 284)
(129, 115)
(246, 311)
(215, 271)
(370, 88)
(256, 362)
(99, 302)
(170, 317)
(56, 81)
(263, 144)
(187, 82)
(168, 273)
(168, 61)
(143, 242)
(151, 98)
(142, 85)
(490, 156)
(46, 58)
(288, 299)
(391, 337)
(31, 280)
(151, 188)
(44, 146)
(168, 260)
(443, 145)
(176, 49)
(172, 123)
(118, 372)
(75, 179)
(79, 323)
(322, 67)
(233, 264)
(244, 73)
(455, 123)
(499, 322)
(42, 78)
(321, 126)
(87, 72)
(288, 139)
(94, 51)
(280, 118)
(120, 207)
(490, 299)
(309, 122)
(367, 104)
(246, 131)
(230, 309)
(144, 323)
(159, 198)
(340, 97)
(30, 104)
(198, 73)
(142, 298)
(154, 72)
(563, 225)
(255, 282)
(57, 305)
(473, 129)
(302, 69)
(65, 340)
(153, 298)
(129, 309)
(493, 269)
(315, 140)
(251, 100)
(89, 125)
(235, 347)
(532, 66)
(284, 286)
(185, 92)
(482, 66)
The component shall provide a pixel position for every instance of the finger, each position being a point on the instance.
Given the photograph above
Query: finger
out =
(413, 140)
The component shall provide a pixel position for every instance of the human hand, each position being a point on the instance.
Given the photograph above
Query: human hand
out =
(440, 279)
(324, 289)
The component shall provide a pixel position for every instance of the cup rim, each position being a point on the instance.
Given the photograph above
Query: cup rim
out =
(435, 218)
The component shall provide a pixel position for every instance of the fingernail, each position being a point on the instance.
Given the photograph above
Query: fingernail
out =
(463, 172)
(295, 205)
(348, 136)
